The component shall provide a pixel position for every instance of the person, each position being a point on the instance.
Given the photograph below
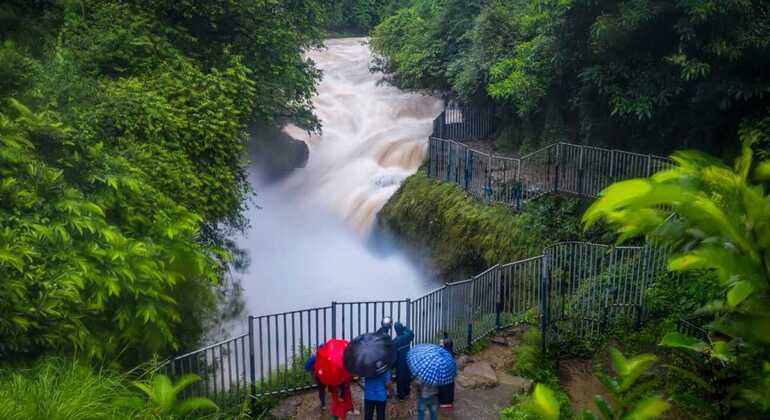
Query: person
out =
(376, 390)
(404, 337)
(385, 326)
(446, 393)
(309, 366)
(427, 399)
(342, 401)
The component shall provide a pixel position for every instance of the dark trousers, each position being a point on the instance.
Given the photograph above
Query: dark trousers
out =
(403, 383)
(371, 406)
(321, 391)
(446, 394)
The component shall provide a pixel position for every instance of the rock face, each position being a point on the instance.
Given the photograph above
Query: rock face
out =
(273, 153)
(478, 375)
(520, 384)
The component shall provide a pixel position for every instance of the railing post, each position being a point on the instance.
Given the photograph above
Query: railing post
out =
(252, 368)
(612, 166)
(649, 166)
(489, 193)
(544, 302)
(334, 319)
(471, 311)
(499, 305)
(580, 171)
(557, 168)
(409, 313)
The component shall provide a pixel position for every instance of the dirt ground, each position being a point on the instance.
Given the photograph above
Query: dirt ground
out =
(578, 380)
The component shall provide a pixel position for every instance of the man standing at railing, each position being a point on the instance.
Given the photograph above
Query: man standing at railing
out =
(385, 325)
(404, 337)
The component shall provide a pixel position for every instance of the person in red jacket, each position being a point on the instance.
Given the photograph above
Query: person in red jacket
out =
(342, 401)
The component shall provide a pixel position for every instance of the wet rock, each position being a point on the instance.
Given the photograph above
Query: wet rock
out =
(499, 340)
(464, 360)
(520, 384)
(478, 375)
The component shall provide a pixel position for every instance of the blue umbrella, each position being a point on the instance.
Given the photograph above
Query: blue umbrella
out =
(432, 364)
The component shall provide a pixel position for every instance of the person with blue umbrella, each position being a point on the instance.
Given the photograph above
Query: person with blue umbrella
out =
(433, 366)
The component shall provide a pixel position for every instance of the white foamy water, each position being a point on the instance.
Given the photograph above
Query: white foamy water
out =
(374, 136)
(307, 245)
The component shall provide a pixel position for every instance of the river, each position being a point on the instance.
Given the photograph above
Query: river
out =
(308, 244)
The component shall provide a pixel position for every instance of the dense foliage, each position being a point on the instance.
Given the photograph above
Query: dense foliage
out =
(122, 135)
(650, 75)
(358, 17)
(722, 226)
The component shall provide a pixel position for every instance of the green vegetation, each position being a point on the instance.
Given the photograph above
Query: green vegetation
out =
(439, 216)
(531, 363)
(58, 389)
(122, 134)
(650, 75)
(63, 389)
(628, 391)
(357, 17)
(722, 228)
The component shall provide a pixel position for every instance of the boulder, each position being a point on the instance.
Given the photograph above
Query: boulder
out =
(478, 375)
(464, 360)
(520, 384)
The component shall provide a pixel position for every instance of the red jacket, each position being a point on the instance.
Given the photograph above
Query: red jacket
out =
(340, 407)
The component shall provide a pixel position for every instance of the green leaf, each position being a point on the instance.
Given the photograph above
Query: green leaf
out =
(762, 172)
(739, 292)
(545, 402)
(693, 377)
(650, 408)
(679, 340)
(194, 404)
(604, 407)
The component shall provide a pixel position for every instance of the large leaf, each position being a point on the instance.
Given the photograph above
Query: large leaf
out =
(650, 408)
(739, 292)
(683, 341)
(545, 403)
(195, 404)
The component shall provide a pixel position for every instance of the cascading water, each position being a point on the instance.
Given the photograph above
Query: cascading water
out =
(307, 244)
(374, 135)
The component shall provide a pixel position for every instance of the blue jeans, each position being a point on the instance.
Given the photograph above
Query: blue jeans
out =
(431, 403)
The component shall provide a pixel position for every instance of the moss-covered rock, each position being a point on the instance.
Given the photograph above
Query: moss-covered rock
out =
(464, 235)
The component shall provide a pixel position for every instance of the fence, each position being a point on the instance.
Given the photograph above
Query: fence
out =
(573, 289)
(559, 168)
(464, 123)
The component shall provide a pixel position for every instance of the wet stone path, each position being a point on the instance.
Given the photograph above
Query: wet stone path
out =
(483, 388)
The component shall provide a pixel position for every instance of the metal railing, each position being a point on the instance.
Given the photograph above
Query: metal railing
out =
(574, 289)
(559, 168)
(464, 123)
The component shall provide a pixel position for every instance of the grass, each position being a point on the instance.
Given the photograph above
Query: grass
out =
(59, 389)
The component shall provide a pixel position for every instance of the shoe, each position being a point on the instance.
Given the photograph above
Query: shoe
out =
(447, 406)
